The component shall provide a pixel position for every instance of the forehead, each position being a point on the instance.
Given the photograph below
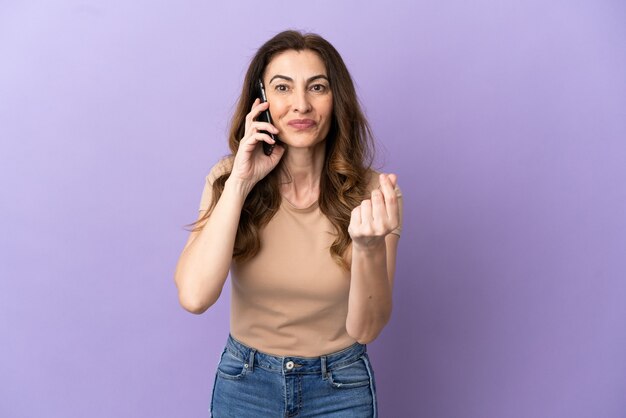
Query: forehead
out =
(296, 63)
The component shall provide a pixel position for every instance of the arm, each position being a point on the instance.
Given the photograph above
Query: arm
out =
(205, 260)
(204, 263)
(374, 250)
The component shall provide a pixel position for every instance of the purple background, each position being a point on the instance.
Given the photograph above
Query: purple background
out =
(505, 121)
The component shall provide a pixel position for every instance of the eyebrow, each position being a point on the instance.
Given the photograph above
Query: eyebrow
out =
(284, 77)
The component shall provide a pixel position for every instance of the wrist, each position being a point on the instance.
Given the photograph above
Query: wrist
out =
(369, 245)
(238, 186)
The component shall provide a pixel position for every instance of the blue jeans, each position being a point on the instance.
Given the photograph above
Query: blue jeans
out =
(249, 383)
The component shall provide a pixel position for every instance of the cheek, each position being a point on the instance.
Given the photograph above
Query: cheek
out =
(327, 116)
(328, 110)
(277, 109)
(325, 107)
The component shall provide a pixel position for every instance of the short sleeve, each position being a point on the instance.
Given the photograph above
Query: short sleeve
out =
(220, 168)
(374, 185)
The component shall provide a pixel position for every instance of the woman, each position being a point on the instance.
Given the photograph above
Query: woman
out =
(309, 234)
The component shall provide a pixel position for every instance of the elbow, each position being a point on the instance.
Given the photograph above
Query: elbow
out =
(193, 302)
(366, 333)
(365, 340)
(193, 306)
(196, 305)
(364, 337)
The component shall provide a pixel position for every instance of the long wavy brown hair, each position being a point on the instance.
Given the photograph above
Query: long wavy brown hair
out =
(348, 155)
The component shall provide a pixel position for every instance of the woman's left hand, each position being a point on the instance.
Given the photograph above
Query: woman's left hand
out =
(376, 217)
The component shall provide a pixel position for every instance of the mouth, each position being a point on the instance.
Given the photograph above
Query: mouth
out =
(301, 124)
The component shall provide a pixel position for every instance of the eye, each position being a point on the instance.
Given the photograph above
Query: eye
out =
(281, 88)
(319, 88)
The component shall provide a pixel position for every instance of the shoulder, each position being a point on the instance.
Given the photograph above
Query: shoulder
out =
(223, 166)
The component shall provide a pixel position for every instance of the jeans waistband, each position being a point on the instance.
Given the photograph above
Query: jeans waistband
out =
(294, 364)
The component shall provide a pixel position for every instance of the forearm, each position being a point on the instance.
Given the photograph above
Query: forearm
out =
(204, 264)
(370, 298)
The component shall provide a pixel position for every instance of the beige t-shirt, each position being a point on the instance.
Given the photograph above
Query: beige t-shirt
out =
(291, 298)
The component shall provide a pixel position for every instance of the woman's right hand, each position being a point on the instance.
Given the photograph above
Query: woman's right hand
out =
(251, 164)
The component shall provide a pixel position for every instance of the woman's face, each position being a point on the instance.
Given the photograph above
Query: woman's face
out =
(301, 102)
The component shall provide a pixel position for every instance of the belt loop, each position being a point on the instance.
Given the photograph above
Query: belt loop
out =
(251, 360)
(324, 372)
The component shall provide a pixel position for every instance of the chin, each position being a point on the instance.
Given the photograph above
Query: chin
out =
(301, 142)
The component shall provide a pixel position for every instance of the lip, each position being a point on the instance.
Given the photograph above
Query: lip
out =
(300, 124)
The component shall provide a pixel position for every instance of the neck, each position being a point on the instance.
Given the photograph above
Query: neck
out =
(302, 173)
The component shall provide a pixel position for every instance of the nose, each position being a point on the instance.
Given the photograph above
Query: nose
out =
(301, 103)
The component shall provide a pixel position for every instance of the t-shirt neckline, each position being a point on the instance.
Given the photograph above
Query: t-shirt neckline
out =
(294, 208)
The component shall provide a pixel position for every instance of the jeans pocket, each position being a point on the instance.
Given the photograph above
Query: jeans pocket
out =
(352, 375)
(231, 367)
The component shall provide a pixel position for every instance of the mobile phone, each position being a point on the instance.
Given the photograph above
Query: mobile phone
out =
(265, 117)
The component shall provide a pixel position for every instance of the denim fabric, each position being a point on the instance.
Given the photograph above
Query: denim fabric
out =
(249, 383)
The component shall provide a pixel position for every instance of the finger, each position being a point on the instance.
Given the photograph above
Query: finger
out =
(385, 185)
(393, 207)
(264, 126)
(379, 211)
(393, 179)
(389, 193)
(254, 103)
(355, 218)
(263, 137)
(256, 137)
(366, 211)
(277, 154)
(258, 108)
(255, 110)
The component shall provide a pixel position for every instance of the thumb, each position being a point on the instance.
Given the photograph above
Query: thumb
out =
(277, 154)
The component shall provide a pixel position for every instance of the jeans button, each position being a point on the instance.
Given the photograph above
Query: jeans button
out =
(289, 365)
